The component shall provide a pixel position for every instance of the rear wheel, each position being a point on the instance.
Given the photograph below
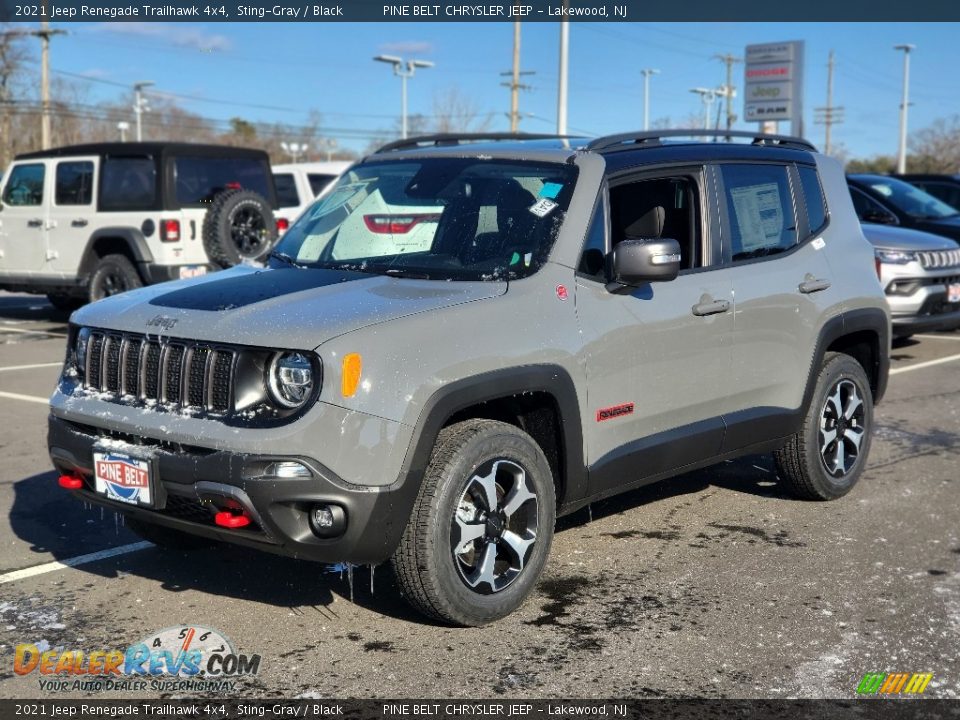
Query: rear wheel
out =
(826, 458)
(481, 529)
(167, 537)
(115, 274)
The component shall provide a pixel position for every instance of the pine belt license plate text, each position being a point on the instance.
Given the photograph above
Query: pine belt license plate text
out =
(192, 271)
(123, 478)
(953, 293)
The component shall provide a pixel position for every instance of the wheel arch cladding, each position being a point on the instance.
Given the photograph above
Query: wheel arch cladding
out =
(119, 240)
(864, 335)
(539, 399)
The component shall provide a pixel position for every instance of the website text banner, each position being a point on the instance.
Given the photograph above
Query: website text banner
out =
(66, 11)
(516, 709)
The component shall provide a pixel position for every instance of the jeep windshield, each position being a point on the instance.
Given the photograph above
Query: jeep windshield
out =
(436, 218)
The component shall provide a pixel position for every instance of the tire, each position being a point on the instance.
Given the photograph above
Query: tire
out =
(64, 302)
(114, 274)
(238, 226)
(443, 577)
(167, 537)
(813, 466)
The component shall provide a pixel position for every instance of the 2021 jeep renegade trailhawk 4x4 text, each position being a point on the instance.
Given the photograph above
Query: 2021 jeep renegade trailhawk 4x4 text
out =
(467, 337)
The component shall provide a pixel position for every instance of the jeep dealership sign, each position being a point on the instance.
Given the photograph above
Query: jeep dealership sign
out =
(773, 83)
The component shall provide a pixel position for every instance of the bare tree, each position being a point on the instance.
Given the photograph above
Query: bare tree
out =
(13, 56)
(454, 111)
(936, 149)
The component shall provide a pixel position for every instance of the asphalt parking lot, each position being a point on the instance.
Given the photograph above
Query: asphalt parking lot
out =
(714, 584)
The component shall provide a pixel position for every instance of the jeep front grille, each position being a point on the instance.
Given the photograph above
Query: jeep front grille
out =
(937, 259)
(175, 373)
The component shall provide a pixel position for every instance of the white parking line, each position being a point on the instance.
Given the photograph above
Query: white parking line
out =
(30, 367)
(938, 337)
(7, 328)
(928, 363)
(73, 562)
(25, 398)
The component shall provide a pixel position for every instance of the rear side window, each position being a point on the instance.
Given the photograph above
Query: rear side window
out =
(198, 179)
(287, 195)
(74, 183)
(760, 209)
(128, 183)
(25, 186)
(813, 197)
(319, 182)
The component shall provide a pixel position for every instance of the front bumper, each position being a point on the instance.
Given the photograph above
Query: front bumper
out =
(195, 482)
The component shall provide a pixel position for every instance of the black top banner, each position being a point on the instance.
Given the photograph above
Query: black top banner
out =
(66, 11)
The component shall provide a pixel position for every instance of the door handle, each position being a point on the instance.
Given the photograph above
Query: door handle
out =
(711, 307)
(78, 223)
(812, 285)
(35, 223)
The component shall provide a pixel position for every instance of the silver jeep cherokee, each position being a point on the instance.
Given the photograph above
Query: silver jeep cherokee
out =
(469, 336)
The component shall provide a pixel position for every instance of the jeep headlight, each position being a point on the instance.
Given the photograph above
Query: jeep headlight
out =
(290, 379)
(895, 257)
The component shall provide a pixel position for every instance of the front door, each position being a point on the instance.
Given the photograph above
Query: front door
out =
(657, 357)
(23, 220)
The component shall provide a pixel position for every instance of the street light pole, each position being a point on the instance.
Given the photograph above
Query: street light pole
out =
(562, 85)
(647, 72)
(905, 102)
(140, 105)
(404, 69)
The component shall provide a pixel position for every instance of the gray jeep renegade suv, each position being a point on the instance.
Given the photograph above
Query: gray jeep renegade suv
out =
(469, 336)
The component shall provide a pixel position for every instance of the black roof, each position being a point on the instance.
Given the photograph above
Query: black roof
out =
(700, 152)
(145, 148)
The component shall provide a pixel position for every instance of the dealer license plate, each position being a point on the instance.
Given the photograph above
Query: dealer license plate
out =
(953, 293)
(123, 477)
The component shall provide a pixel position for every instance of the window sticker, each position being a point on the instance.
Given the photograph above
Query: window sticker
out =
(759, 215)
(543, 207)
(550, 190)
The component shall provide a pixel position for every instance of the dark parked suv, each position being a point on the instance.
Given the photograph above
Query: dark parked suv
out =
(469, 336)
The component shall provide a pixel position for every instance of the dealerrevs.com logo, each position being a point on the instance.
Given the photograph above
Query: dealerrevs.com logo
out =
(182, 658)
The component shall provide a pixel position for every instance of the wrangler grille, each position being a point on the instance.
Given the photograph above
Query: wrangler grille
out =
(178, 373)
(937, 259)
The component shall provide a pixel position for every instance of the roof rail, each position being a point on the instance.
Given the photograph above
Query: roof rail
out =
(629, 141)
(442, 139)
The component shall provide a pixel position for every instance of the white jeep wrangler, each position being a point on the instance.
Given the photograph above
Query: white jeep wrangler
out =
(83, 222)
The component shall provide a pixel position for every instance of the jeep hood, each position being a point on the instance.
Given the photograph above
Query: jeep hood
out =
(891, 237)
(283, 307)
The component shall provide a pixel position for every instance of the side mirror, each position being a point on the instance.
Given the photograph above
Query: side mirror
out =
(881, 217)
(637, 261)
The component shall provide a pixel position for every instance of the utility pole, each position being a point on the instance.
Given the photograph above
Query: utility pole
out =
(647, 72)
(140, 105)
(831, 114)
(44, 33)
(562, 85)
(515, 85)
(905, 102)
(729, 60)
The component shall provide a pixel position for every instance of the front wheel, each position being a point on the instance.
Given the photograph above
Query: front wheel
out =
(482, 525)
(824, 460)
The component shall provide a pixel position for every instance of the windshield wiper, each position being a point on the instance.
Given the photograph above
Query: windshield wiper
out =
(397, 272)
(284, 258)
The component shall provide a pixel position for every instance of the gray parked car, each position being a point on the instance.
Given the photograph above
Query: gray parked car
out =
(920, 274)
(469, 336)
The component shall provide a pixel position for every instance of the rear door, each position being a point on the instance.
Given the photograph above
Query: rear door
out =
(783, 291)
(23, 220)
(657, 357)
(71, 209)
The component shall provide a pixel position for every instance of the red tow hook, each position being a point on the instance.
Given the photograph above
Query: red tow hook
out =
(228, 519)
(70, 482)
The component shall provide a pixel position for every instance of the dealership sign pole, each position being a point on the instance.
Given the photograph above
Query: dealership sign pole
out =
(773, 84)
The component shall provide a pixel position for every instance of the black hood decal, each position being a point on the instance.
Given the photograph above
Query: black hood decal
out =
(241, 290)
